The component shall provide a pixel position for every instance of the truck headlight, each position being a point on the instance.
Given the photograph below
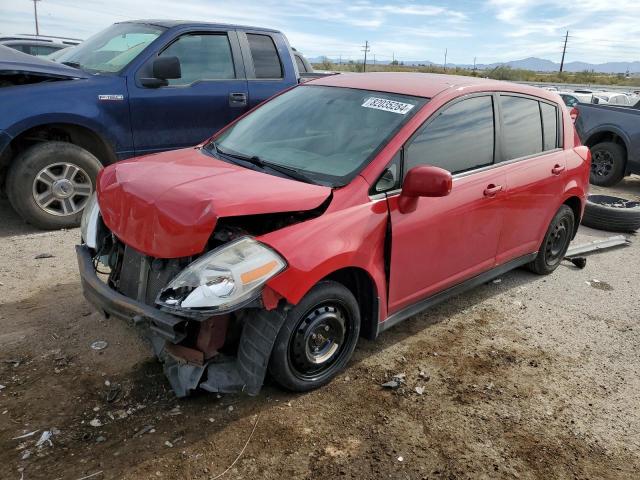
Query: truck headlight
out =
(224, 278)
(89, 222)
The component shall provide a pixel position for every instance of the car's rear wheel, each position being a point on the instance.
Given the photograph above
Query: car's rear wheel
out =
(607, 164)
(50, 183)
(556, 242)
(317, 339)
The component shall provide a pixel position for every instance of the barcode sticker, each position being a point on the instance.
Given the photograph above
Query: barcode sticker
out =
(388, 105)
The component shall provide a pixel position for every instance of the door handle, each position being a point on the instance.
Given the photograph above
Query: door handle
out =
(492, 190)
(557, 169)
(237, 99)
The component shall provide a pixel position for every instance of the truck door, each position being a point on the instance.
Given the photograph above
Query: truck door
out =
(211, 92)
(268, 63)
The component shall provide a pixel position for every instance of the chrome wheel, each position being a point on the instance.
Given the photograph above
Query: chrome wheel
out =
(62, 189)
(319, 340)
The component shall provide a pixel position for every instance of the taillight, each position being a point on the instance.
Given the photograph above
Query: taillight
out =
(574, 114)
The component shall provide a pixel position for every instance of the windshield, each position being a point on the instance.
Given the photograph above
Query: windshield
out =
(327, 133)
(112, 49)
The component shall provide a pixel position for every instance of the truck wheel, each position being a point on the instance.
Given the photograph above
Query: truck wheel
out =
(612, 214)
(317, 339)
(556, 242)
(50, 183)
(607, 164)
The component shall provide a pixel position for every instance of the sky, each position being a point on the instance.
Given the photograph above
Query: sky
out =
(490, 30)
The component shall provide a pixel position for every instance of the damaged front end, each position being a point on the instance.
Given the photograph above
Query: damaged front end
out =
(203, 315)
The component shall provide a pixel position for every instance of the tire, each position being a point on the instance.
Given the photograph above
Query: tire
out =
(555, 243)
(62, 177)
(608, 161)
(327, 305)
(612, 214)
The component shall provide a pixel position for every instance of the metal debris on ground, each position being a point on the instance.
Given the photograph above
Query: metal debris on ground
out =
(90, 476)
(44, 255)
(99, 345)
(419, 390)
(497, 280)
(44, 439)
(596, 245)
(579, 262)
(26, 435)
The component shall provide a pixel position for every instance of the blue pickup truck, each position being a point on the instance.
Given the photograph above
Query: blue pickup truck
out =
(612, 133)
(135, 88)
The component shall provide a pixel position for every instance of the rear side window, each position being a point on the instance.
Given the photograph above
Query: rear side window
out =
(522, 129)
(202, 57)
(460, 138)
(549, 125)
(266, 61)
(300, 64)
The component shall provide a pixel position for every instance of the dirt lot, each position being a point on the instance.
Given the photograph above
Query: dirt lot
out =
(531, 377)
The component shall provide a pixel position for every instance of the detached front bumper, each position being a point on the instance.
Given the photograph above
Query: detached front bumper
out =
(243, 373)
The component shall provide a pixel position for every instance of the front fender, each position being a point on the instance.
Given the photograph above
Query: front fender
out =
(352, 237)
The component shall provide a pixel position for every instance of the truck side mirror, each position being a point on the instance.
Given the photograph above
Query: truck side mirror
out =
(164, 69)
(423, 181)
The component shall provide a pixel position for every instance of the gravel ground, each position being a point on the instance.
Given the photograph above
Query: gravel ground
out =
(529, 377)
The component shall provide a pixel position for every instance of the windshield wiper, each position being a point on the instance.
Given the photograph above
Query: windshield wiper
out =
(258, 162)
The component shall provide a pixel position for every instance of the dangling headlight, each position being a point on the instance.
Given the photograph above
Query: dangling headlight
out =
(224, 278)
(89, 222)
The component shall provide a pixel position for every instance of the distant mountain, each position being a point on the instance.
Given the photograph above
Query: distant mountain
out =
(531, 63)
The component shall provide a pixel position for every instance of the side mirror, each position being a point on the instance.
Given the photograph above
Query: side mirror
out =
(163, 68)
(423, 181)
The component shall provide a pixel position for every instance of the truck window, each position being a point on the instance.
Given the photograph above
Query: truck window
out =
(522, 128)
(300, 64)
(460, 138)
(549, 125)
(266, 61)
(202, 57)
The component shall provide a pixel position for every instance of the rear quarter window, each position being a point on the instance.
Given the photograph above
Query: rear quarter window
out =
(266, 62)
(549, 125)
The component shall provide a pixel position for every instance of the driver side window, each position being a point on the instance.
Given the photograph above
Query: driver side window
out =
(202, 57)
(460, 138)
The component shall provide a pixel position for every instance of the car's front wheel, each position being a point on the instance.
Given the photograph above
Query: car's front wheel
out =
(555, 243)
(317, 339)
(50, 183)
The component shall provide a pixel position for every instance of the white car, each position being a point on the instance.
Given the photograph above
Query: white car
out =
(614, 98)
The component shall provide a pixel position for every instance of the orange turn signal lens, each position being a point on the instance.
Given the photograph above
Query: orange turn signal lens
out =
(256, 273)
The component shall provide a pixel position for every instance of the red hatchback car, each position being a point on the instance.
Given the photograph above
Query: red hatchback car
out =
(333, 210)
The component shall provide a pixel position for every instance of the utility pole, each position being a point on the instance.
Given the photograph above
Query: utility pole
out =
(445, 59)
(365, 49)
(374, 59)
(564, 50)
(340, 60)
(474, 64)
(35, 14)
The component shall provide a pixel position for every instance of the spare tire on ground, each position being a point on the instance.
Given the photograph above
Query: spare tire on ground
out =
(614, 214)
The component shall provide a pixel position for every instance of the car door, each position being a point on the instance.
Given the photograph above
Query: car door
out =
(211, 92)
(531, 148)
(267, 74)
(446, 240)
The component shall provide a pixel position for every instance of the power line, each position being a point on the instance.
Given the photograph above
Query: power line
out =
(365, 49)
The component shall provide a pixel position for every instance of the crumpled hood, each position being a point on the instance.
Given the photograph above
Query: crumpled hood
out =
(12, 61)
(166, 205)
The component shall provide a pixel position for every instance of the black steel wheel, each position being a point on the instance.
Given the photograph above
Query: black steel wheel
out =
(556, 242)
(607, 164)
(318, 338)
